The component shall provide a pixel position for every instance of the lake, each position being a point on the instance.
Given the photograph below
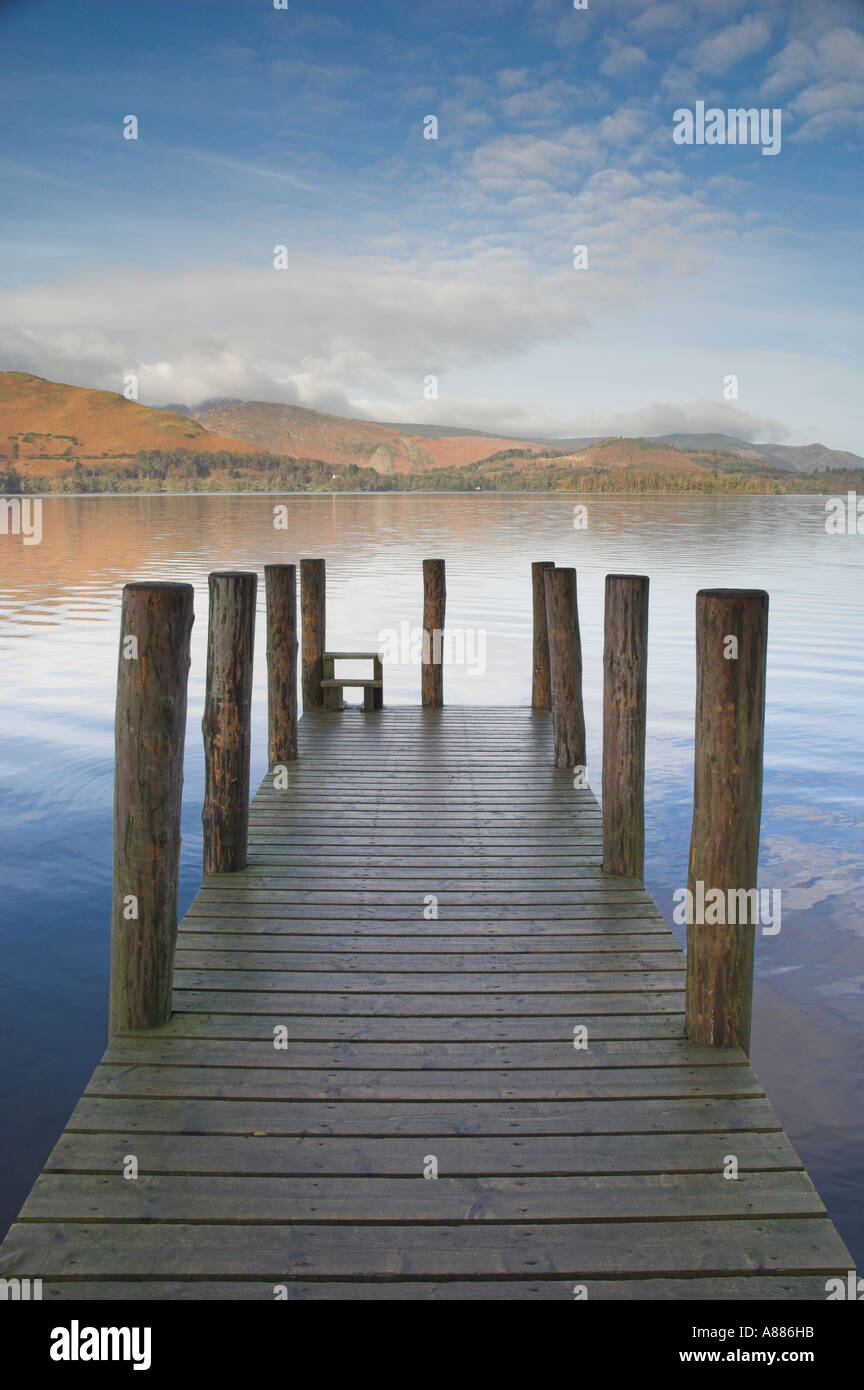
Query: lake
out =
(59, 626)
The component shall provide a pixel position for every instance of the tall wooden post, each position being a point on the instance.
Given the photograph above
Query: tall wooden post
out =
(227, 722)
(280, 582)
(149, 732)
(731, 646)
(314, 620)
(434, 603)
(565, 664)
(541, 691)
(625, 658)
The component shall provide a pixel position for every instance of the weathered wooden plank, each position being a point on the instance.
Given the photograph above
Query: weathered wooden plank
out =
(407, 1056)
(369, 944)
(348, 1084)
(384, 912)
(296, 799)
(408, 839)
(456, 982)
(241, 1199)
(394, 1028)
(332, 867)
(681, 1115)
(296, 805)
(390, 963)
(396, 1156)
(485, 818)
(377, 1004)
(712, 1288)
(780, 1245)
(521, 930)
(488, 803)
(499, 881)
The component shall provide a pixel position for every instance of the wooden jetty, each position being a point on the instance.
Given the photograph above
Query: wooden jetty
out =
(416, 1042)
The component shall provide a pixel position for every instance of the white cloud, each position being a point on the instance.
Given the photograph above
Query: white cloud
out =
(822, 97)
(836, 55)
(511, 163)
(626, 126)
(730, 45)
(792, 66)
(842, 119)
(554, 100)
(622, 58)
(657, 17)
(298, 334)
(825, 82)
(507, 417)
(511, 78)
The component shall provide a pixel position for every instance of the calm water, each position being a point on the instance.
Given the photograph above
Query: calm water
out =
(59, 606)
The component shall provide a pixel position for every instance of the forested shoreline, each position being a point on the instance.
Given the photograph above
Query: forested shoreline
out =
(187, 471)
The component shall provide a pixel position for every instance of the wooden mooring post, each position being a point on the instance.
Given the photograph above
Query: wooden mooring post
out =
(313, 615)
(280, 583)
(227, 722)
(541, 692)
(625, 653)
(731, 647)
(565, 666)
(434, 604)
(149, 731)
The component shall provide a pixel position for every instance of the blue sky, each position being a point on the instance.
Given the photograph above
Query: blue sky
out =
(407, 257)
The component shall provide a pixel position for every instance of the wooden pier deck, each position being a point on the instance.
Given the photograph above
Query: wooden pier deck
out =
(297, 1172)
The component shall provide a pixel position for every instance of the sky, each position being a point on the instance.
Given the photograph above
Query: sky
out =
(722, 290)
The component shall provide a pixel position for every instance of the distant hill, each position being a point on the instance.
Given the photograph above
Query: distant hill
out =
(56, 437)
(723, 443)
(300, 432)
(47, 427)
(406, 448)
(618, 454)
(801, 458)
(809, 458)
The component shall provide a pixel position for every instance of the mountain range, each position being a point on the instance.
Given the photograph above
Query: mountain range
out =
(289, 429)
(48, 429)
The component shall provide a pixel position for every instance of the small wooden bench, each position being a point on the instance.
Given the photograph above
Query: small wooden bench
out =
(333, 685)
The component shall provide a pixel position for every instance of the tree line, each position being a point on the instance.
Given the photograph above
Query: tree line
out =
(185, 470)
